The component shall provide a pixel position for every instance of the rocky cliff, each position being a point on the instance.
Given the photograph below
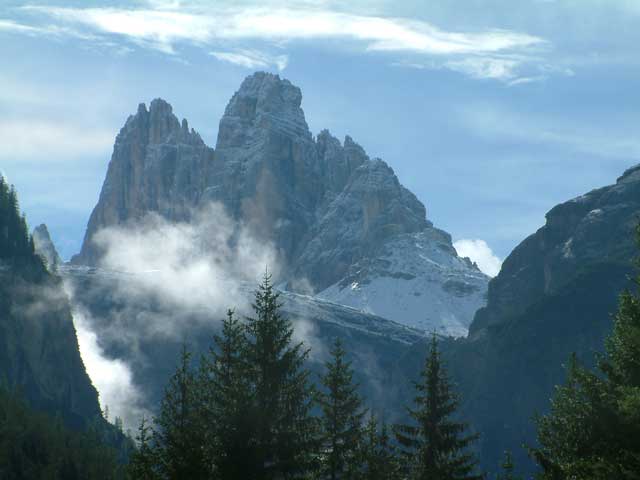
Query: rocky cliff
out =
(45, 247)
(590, 230)
(157, 165)
(39, 354)
(554, 296)
(327, 208)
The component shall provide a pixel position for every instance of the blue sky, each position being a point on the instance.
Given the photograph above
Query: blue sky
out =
(491, 111)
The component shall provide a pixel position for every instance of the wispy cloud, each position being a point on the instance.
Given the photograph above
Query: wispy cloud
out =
(49, 140)
(493, 122)
(252, 59)
(164, 26)
(487, 67)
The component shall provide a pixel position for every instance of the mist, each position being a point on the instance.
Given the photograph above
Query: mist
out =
(172, 283)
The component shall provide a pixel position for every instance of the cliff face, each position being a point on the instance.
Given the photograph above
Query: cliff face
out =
(39, 354)
(593, 229)
(158, 165)
(45, 247)
(324, 204)
(554, 296)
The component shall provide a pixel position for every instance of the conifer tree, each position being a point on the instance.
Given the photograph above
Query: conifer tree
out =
(593, 430)
(435, 446)
(285, 431)
(143, 462)
(342, 416)
(226, 401)
(377, 454)
(179, 434)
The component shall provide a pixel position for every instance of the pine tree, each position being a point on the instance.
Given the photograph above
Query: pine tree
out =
(593, 430)
(377, 454)
(144, 461)
(508, 468)
(434, 446)
(179, 435)
(226, 401)
(285, 431)
(342, 416)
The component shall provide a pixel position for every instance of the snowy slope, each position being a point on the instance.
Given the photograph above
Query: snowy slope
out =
(416, 280)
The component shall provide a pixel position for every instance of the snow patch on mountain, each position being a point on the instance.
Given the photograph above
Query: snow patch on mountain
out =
(416, 280)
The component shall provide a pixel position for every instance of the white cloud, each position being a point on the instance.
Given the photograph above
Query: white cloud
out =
(50, 141)
(190, 273)
(480, 253)
(111, 377)
(11, 26)
(487, 67)
(167, 24)
(204, 264)
(252, 59)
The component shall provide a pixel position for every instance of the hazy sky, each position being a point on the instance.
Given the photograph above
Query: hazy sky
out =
(491, 111)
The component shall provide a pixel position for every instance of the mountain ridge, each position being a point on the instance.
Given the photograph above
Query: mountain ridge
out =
(323, 204)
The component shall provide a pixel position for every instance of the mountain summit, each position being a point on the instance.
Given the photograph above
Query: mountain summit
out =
(341, 222)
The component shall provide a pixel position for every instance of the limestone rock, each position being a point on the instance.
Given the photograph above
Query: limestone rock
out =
(45, 247)
(158, 165)
(324, 204)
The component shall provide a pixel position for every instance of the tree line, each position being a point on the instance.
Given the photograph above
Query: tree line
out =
(15, 240)
(37, 446)
(251, 411)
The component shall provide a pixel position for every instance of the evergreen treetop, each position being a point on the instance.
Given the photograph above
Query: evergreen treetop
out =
(342, 415)
(435, 446)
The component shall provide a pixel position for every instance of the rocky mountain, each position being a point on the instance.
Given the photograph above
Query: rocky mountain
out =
(415, 277)
(45, 247)
(39, 354)
(554, 296)
(332, 213)
(158, 165)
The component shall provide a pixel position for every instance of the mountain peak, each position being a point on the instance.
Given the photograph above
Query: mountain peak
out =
(263, 104)
(45, 247)
(630, 175)
(157, 125)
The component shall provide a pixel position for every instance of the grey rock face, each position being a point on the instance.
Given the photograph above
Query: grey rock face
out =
(324, 205)
(45, 247)
(371, 209)
(158, 165)
(554, 297)
(595, 228)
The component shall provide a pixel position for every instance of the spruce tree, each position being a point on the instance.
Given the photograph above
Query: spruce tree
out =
(143, 464)
(342, 416)
(435, 446)
(285, 431)
(226, 402)
(593, 429)
(179, 433)
(377, 458)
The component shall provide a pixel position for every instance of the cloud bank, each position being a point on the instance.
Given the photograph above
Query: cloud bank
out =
(480, 253)
(492, 53)
(112, 378)
(202, 264)
(160, 284)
